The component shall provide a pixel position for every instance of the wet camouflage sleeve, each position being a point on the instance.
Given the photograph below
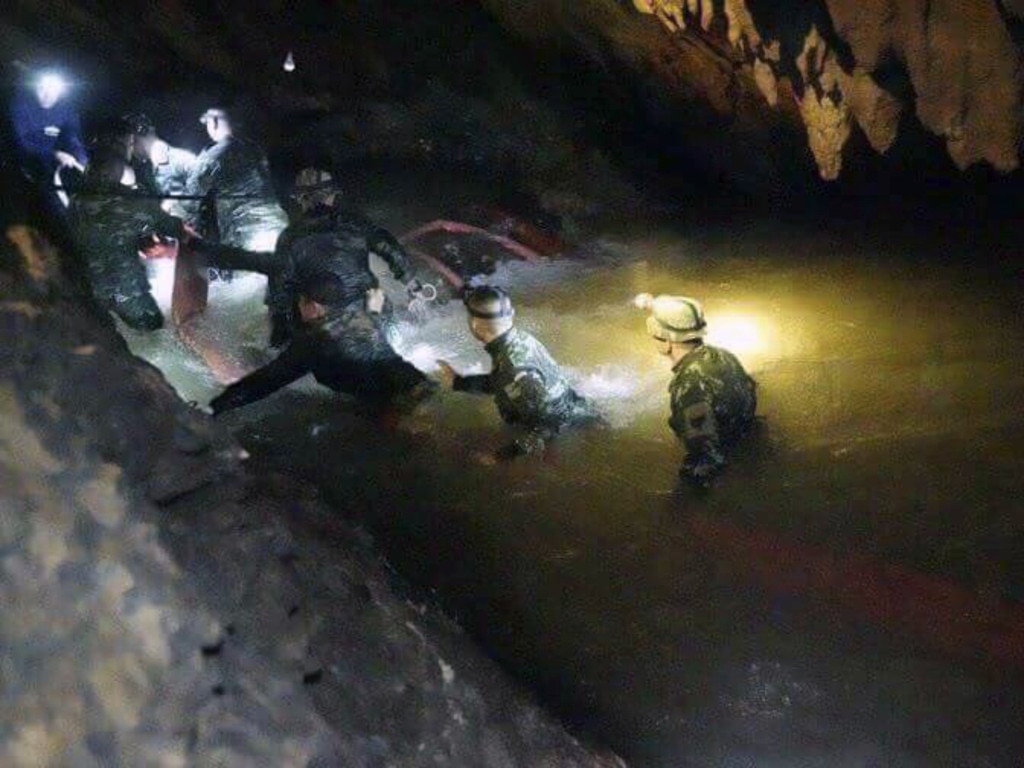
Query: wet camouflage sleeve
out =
(713, 403)
(172, 179)
(201, 182)
(528, 395)
(693, 420)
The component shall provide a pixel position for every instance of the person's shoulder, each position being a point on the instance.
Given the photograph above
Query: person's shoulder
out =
(181, 156)
(724, 358)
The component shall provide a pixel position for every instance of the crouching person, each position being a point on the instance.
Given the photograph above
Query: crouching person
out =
(343, 344)
(108, 217)
(528, 386)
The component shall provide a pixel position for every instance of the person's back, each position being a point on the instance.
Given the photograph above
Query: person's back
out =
(715, 376)
(247, 212)
(335, 242)
(108, 219)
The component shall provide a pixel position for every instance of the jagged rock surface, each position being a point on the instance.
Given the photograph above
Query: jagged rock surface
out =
(164, 607)
(831, 66)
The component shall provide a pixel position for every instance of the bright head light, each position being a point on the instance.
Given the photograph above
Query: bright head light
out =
(52, 85)
(737, 333)
(643, 301)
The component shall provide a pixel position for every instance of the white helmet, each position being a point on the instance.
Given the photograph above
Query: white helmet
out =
(674, 318)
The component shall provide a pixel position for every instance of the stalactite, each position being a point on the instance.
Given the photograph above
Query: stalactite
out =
(967, 74)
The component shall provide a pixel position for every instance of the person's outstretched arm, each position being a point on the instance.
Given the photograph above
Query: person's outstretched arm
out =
(290, 365)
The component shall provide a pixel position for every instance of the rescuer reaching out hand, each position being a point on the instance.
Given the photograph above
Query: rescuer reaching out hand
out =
(528, 386)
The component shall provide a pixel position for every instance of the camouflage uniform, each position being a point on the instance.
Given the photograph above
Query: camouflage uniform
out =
(108, 222)
(236, 174)
(171, 178)
(713, 404)
(530, 390)
(346, 351)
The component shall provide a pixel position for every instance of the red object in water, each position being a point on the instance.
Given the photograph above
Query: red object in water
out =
(932, 610)
(530, 235)
(455, 227)
(188, 303)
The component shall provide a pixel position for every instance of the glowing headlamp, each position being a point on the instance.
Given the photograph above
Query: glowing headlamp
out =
(643, 301)
(52, 83)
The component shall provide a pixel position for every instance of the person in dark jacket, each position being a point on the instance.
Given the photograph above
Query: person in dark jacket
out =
(342, 342)
(46, 129)
(528, 386)
(324, 240)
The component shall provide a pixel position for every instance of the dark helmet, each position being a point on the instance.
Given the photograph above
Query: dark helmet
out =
(138, 124)
(488, 302)
(313, 186)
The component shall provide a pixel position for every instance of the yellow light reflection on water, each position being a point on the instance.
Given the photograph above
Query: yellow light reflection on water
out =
(740, 334)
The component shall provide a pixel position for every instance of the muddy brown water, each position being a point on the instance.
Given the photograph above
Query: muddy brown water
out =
(891, 394)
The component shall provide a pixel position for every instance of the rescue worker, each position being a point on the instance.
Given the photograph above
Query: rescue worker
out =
(159, 167)
(47, 137)
(235, 176)
(340, 341)
(528, 386)
(324, 239)
(46, 128)
(713, 398)
(109, 218)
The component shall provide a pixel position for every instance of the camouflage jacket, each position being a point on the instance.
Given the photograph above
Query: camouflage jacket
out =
(237, 176)
(172, 177)
(713, 404)
(338, 243)
(347, 351)
(528, 385)
(108, 222)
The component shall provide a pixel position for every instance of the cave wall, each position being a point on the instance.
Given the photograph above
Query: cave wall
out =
(768, 92)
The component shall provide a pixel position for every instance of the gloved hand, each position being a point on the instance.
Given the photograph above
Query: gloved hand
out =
(226, 401)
